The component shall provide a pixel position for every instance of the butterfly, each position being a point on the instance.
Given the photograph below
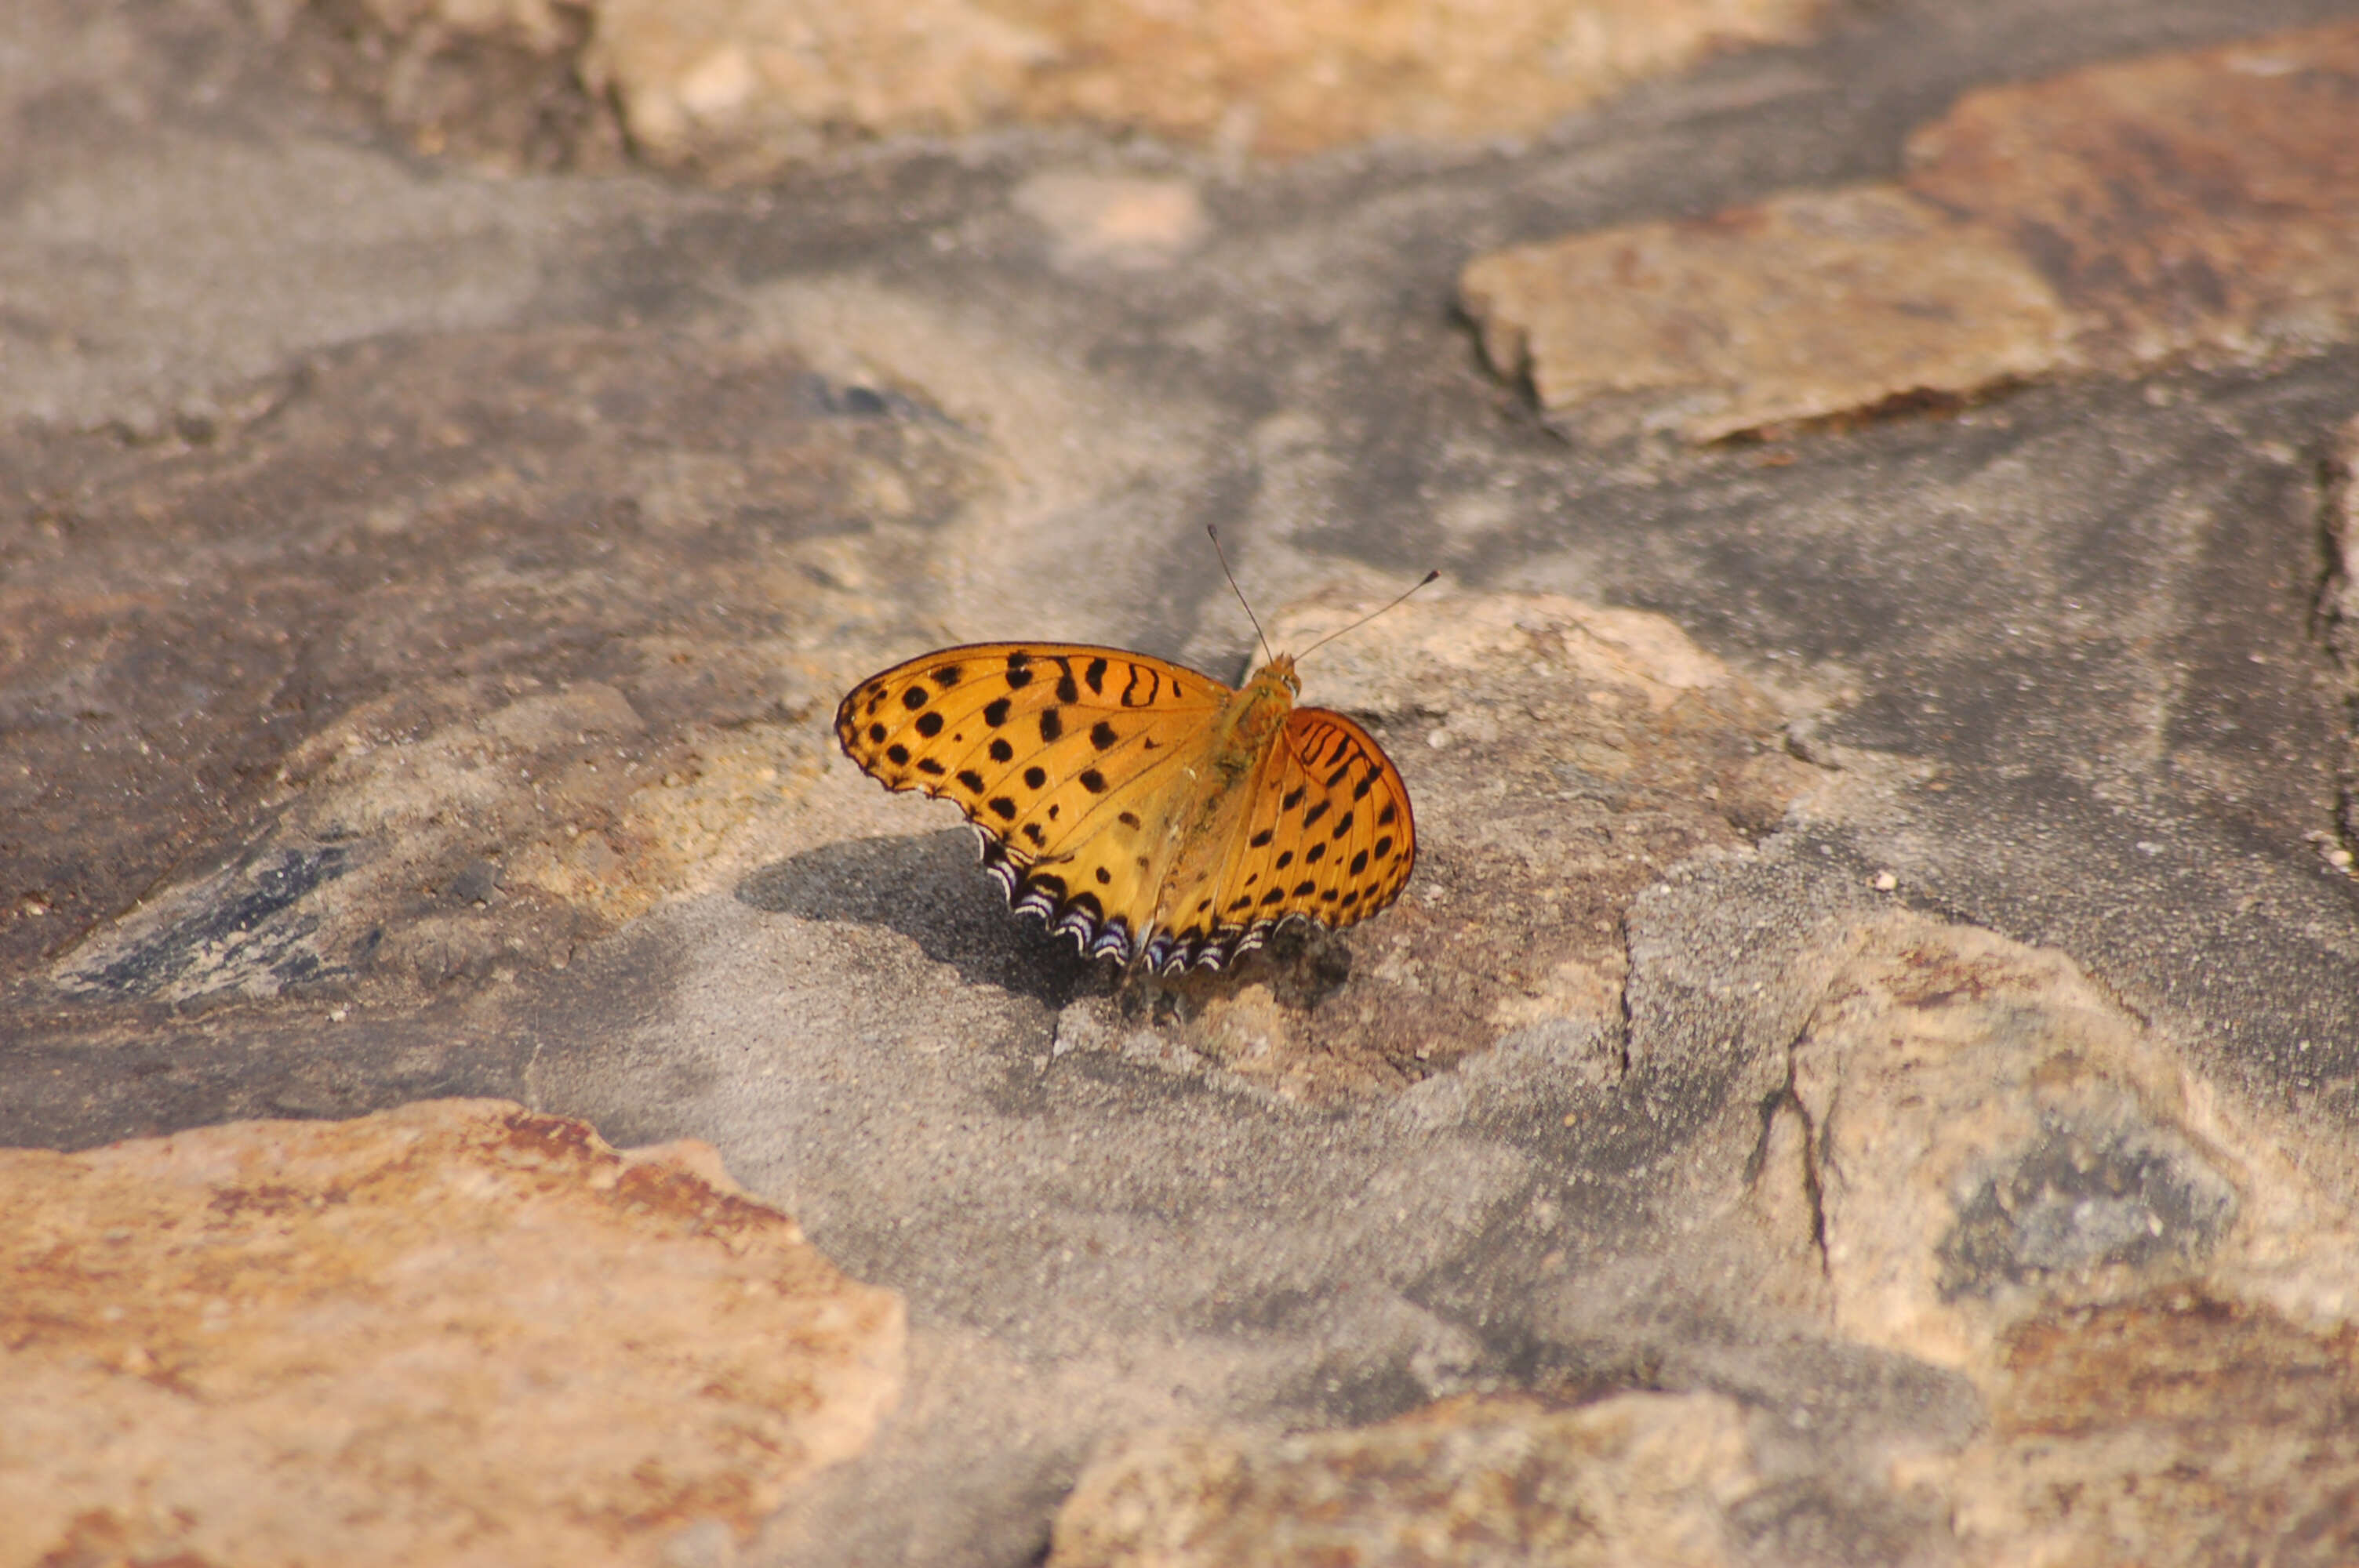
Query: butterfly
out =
(1150, 812)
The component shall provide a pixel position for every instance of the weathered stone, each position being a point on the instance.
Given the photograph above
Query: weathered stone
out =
(739, 88)
(1805, 306)
(2116, 217)
(2339, 605)
(1639, 1478)
(454, 1332)
(2204, 202)
(363, 812)
(2156, 1293)
(2173, 1428)
(1991, 1136)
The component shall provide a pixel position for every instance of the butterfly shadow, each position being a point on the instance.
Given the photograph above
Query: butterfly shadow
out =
(932, 890)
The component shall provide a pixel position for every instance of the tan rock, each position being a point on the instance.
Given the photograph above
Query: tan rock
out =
(736, 88)
(2117, 216)
(1993, 1136)
(1635, 1478)
(2153, 1289)
(2205, 200)
(2171, 1429)
(458, 1331)
(1127, 222)
(1804, 306)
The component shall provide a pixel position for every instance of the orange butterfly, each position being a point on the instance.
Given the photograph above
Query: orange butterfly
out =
(1153, 813)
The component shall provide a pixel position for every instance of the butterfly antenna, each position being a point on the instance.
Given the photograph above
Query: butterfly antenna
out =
(1364, 620)
(1215, 534)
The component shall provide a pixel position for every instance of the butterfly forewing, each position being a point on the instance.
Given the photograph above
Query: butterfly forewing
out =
(1061, 754)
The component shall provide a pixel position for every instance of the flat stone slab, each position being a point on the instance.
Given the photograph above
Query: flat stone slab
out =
(457, 1332)
(2118, 217)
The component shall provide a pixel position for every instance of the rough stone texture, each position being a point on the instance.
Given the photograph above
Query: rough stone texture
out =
(530, 527)
(1466, 1481)
(452, 1333)
(2338, 607)
(1806, 306)
(737, 90)
(2116, 218)
(1975, 1161)
(411, 815)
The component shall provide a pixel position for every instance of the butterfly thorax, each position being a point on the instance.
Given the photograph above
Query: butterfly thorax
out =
(1244, 737)
(1255, 715)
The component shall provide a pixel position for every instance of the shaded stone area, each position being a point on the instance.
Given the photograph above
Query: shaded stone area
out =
(384, 721)
(1865, 1070)
(454, 1332)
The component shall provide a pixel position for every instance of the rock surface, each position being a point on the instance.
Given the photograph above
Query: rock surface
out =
(452, 1333)
(737, 90)
(1874, 1012)
(2118, 217)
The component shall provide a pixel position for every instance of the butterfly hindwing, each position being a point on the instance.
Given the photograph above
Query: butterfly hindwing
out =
(1059, 755)
(1329, 835)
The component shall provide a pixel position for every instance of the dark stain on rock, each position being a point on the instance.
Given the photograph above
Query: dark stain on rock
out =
(250, 904)
(2078, 1201)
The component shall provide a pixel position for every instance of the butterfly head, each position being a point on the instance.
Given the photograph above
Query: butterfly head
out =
(1280, 671)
